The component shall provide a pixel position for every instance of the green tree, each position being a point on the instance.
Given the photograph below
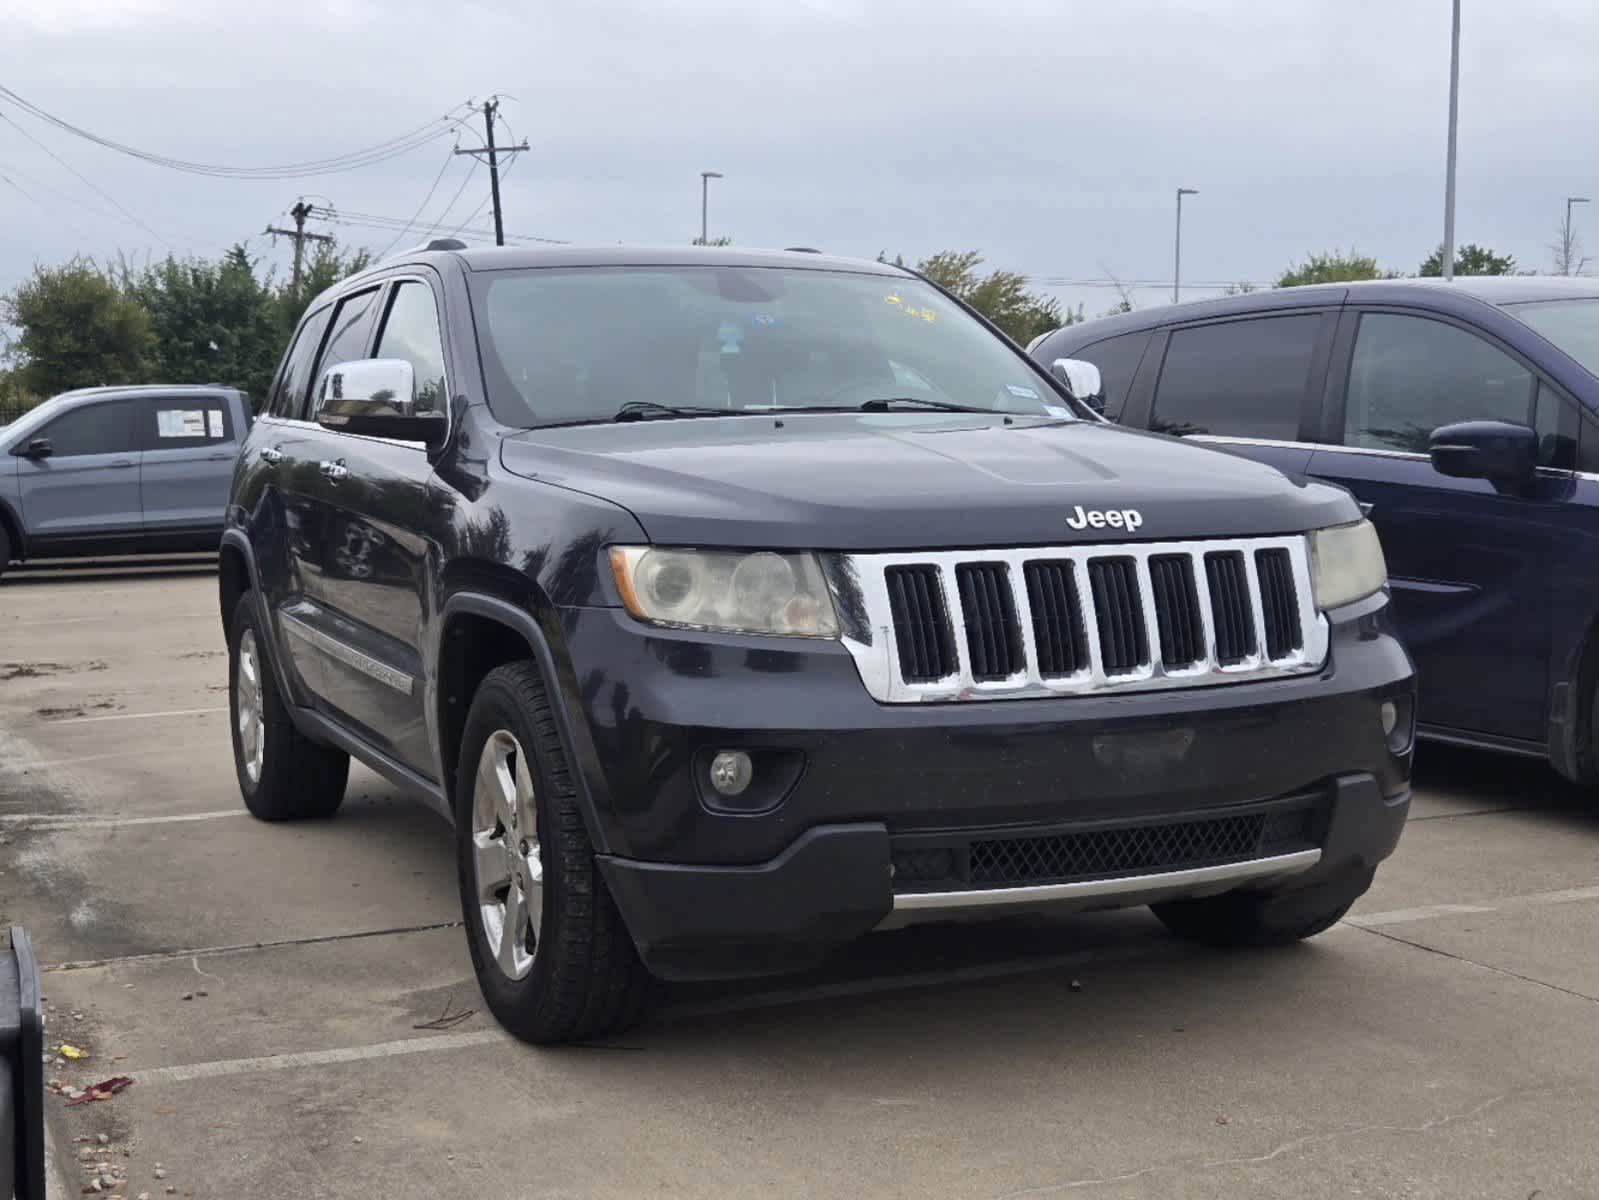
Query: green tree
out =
(213, 321)
(1333, 267)
(75, 328)
(325, 266)
(1001, 296)
(1470, 259)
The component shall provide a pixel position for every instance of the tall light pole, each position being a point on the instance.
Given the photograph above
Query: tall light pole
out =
(1454, 119)
(705, 204)
(1567, 244)
(1177, 265)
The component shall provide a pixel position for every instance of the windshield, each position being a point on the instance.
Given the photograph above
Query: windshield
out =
(1573, 325)
(585, 344)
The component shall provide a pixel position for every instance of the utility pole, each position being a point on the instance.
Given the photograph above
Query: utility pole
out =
(490, 109)
(1454, 120)
(299, 212)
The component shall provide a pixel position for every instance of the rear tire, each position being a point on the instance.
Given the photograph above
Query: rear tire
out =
(1236, 920)
(5, 548)
(283, 775)
(553, 957)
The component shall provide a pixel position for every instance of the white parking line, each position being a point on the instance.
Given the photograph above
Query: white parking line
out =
(171, 712)
(321, 1058)
(53, 821)
(23, 767)
(1430, 912)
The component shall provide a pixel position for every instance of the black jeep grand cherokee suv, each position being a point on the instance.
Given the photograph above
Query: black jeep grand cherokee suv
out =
(734, 604)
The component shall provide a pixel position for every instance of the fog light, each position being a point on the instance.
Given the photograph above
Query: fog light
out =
(1390, 718)
(731, 772)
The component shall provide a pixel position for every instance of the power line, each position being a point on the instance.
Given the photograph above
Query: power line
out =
(86, 181)
(351, 160)
(443, 167)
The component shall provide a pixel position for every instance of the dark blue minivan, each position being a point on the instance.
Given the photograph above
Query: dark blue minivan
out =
(1463, 416)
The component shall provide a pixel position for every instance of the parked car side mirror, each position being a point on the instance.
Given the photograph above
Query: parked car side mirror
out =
(1498, 451)
(1082, 380)
(376, 397)
(38, 448)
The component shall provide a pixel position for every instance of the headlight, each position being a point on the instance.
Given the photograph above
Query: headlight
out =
(737, 591)
(1346, 564)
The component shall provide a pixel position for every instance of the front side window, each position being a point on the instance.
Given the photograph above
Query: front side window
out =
(1117, 359)
(288, 397)
(411, 332)
(92, 429)
(577, 345)
(1237, 378)
(1409, 375)
(350, 332)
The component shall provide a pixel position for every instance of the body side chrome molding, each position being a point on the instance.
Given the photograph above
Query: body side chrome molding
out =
(1128, 888)
(348, 655)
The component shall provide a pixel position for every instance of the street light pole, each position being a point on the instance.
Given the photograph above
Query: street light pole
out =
(1454, 119)
(1177, 264)
(1567, 246)
(705, 204)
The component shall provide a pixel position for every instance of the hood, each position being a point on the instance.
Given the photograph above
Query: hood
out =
(902, 481)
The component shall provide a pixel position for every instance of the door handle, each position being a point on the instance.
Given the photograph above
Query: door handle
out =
(335, 470)
(271, 455)
(119, 463)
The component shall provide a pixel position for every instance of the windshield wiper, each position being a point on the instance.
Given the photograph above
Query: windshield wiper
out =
(889, 403)
(639, 410)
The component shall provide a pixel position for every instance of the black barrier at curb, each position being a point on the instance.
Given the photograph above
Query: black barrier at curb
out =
(21, 1072)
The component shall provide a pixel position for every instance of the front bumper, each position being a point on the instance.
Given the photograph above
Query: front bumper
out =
(876, 809)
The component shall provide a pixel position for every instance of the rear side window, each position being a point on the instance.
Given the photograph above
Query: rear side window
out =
(411, 332)
(1237, 379)
(1117, 359)
(350, 332)
(1409, 375)
(183, 422)
(93, 429)
(288, 397)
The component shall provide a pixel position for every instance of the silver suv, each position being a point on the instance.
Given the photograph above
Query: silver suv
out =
(119, 471)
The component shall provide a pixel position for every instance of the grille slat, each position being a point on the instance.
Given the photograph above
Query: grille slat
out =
(921, 624)
(1058, 635)
(989, 610)
(1063, 620)
(1230, 607)
(1123, 641)
(1182, 633)
(1279, 603)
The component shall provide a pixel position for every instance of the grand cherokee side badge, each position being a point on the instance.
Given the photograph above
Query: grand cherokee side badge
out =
(1096, 518)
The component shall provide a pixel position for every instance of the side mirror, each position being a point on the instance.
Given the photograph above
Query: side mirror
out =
(376, 397)
(38, 448)
(1498, 451)
(1082, 380)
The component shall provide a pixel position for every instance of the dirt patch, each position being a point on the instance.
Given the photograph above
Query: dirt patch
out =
(55, 714)
(37, 670)
(201, 654)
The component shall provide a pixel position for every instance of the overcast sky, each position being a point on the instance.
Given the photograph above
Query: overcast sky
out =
(1049, 136)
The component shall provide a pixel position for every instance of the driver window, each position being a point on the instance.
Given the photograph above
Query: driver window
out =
(350, 332)
(1410, 375)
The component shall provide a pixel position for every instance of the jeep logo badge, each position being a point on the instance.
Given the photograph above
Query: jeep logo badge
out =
(1097, 518)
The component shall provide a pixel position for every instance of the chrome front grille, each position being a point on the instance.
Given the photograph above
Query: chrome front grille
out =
(1002, 624)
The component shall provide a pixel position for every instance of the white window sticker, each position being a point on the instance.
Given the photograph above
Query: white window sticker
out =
(213, 422)
(180, 422)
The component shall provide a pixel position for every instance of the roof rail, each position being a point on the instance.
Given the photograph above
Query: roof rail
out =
(801, 250)
(445, 243)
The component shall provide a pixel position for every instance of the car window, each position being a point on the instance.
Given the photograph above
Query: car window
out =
(183, 422)
(294, 381)
(349, 334)
(1237, 378)
(92, 429)
(1117, 359)
(411, 332)
(1409, 375)
(1557, 430)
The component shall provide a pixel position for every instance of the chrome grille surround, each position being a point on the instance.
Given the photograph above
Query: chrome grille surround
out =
(874, 650)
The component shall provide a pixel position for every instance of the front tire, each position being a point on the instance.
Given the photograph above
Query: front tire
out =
(1237, 920)
(283, 775)
(552, 956)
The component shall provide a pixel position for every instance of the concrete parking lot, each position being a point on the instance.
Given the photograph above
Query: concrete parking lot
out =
(270, 988)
